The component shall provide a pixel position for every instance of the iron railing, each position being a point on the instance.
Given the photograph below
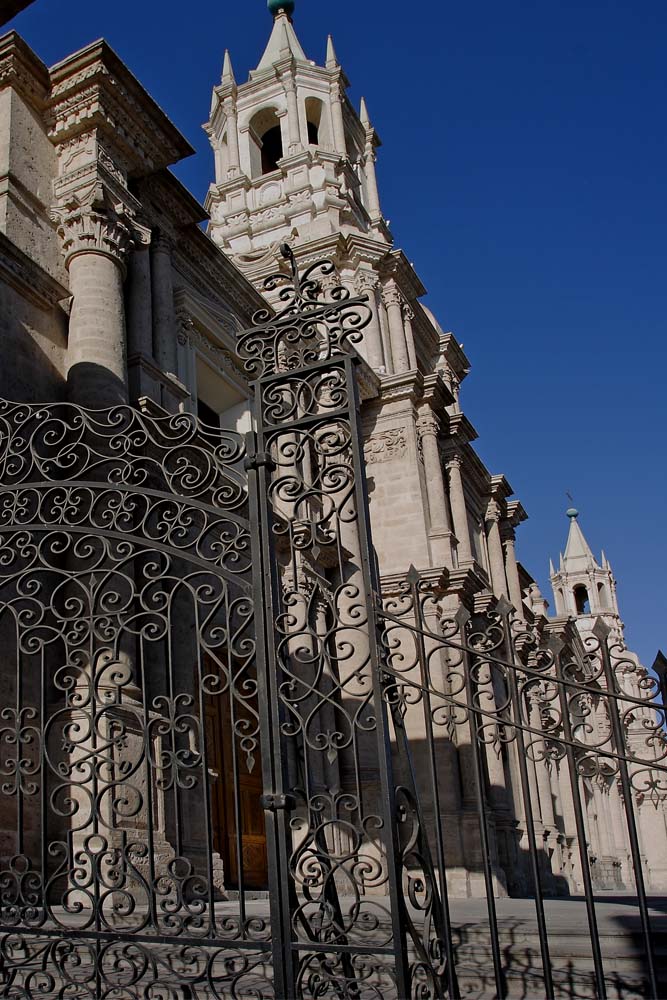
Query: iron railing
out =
(228, 763)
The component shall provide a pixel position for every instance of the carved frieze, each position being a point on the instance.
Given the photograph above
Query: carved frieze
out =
(385, 446)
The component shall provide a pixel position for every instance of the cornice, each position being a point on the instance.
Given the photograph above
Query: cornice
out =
(461, 429)
(210, 271)
(398, 265)
(500, 487)
(162, 193)
(22, 70)
(453, 355)
(516, 513)
(93, 88)
(27, 277)
(406, 385)
(437, 393)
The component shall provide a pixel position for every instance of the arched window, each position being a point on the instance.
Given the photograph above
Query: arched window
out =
(272, 149)
(603, 600)
(315, 122)
(266, 142)
(581, 602)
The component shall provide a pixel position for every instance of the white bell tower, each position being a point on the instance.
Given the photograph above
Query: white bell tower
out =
(292, 157)
(584, 588)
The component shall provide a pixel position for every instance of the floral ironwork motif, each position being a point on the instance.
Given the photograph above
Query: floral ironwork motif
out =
(309, 324)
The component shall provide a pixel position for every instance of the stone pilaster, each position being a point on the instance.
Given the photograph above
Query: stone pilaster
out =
(440, 535)
(293, 132)
(234, 164)
(337, 120)
(394, 304)
(164, 316)
(367, 284)
(408, 316)
(139, 297)
(459, 514)
(495, 546)
(372, 193)
(96, 236)
(511, 568)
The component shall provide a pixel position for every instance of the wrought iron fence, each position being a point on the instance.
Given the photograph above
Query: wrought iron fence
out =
(521, 705)
(224, 755)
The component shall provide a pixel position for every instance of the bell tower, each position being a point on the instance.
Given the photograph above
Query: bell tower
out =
(293, 159)
(584, 588)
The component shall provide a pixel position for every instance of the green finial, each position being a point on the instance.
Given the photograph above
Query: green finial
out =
(275, 6)
(572, 513)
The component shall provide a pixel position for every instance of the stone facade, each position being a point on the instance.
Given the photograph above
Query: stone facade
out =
(111, 292)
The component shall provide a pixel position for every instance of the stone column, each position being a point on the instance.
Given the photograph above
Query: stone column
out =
(164, 318)
(408, 316)
(394, 303)
(458, 504)
(428, 429)
(139, 300)
(234, 164)
(96, 237)
(366, 284)
(337, 121)
(512, 569)
(293, 131)
(496, 557)
(372, 194)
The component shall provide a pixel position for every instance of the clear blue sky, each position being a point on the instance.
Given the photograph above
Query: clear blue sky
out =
(523, 170)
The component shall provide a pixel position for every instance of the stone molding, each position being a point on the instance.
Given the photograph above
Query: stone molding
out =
(93, 89)
(385, 446)
(22, 70)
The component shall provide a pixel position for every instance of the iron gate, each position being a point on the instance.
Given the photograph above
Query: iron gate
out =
(204, 693)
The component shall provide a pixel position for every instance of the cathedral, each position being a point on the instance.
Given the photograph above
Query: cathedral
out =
(117, 288)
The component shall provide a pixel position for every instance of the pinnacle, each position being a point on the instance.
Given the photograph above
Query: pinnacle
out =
(227, 69)
(332, 58)
(363, 113)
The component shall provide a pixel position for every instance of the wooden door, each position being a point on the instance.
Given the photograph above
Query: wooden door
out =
(235, 804)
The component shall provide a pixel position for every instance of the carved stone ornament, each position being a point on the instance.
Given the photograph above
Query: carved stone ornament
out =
(428, 423)
(386, 446)
(94, 223)
(391, 295)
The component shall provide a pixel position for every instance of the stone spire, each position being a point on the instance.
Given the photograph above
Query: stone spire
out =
(283, 42)
(578, 553)
(332, 58)
(583, 588)
(227, 70)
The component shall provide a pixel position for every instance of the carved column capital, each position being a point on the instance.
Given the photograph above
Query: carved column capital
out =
(428, 424)
(507, 533)
(162, 243)
(492, 512)
(408, 312)
(366, 281)
(94, 224)
(391, 295)
(454, 461)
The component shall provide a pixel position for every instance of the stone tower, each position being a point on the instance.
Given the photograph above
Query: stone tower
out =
(295, 162)
(584, 588)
